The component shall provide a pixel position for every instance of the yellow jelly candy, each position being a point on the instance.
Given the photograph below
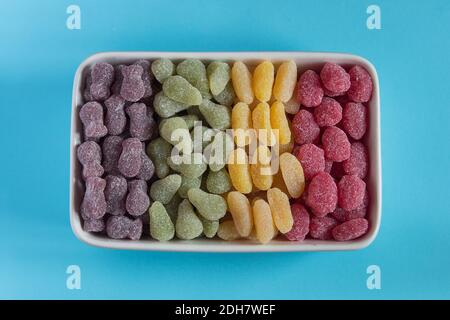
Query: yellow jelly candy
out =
(279, 122)
(292, 106)
(281, 209)
(242, 82)
(278, 182)
(239, 170)
(261, 122)
(285, 81)
(260, 169)
(241, 122)
(227, 231)
(264, 225)
(240, 209)
(293, 176)
(263, 81)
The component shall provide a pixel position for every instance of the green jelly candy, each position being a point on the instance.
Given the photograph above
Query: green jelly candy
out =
(218, 151)
(164, 189)
(218, 182)
(187, 184)
(158, 150)
(193, 167)
(161, 226)
(190, 120)
(179, 89)
(218, 76)
(166, 107)
(201, 136)
(194, 71)
(172, 207)
(176, 132)
(188, 225)
(217, 116)
(162, 69)
(210, 206)
(209, 227)
(227, 96)
(195, 110)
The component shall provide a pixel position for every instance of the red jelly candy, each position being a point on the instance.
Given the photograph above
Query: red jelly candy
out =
(354, 120)
(320, 228)
(360, 212)
(358, 162)
(328, 113)
(361, 84)
(328, 165)
(335, 78)
(335, 144)
(309, 89)
(351, 192)
(312, 159)
(301, 223)
(322, 194)
(350, 230)
(304, 127)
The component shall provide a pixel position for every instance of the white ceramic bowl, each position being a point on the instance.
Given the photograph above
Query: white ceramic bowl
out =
(304, 60)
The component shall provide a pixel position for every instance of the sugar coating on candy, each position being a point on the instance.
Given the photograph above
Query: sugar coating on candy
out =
(112, 148)
(166, 107)
(118, 78)
(164, 189)
(162, 69)
(239, 170)
(281, 210)
(242, 82)
(292, 106)
(168, 127)
(335, 78)
(87, 89)
(102, 76)
(301, 223)
(279, 121)
(161, 226)
(137, 201)
(322, 194)
(260, 169)
(227, 231)
(218, 182)
(115, 192)
(263, 221)
(351, 191)
(218, 151)
(304, 127)
(89, 154)
(285, 81)
(132, 84)
(209, 206)
(263, 78)
(309, 89)
(194, 71)
(135, 229)
(141, 125)
(191, 168)
(209, 227)
(115, 119)
(179, 89)
(188, 226)
(217, 116)
(361, 84)
(121, 227)
(130, 160)
(93, 205)
(187, 184)
(293, 174)
(147, 168)
(262, 125)
(335, 144)
(172, 207)
(332, 94)
(91, 115)
(342, 215)
(146, 77)
(218, 75)
(328, 165)
(328, 113)
(358, 163)
(190, 120)
(321, 228)
(241, 211)
(94, 225)
(350, 230)
(354, 120)
(312, 159)
(227, 96)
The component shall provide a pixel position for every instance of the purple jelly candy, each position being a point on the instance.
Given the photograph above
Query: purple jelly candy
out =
(137, 201)
(146, 77)
(115, 119)
(130, 160)
(102, 74)
(112, 148)
(87, 89)
(118, 78)
(94, 225)
(147, 168)
(132, 85)
(115, 192)
(141, 125)
(94, 203)
(89, 154)
(121, 227)
(91, 115)
(135, 230)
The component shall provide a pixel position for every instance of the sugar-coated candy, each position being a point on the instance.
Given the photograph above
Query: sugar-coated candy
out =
(216, 115)
(87, 89)
(328, 165)
(187, 184)
(141, 125)
(332, 94)
(278, 182)
(166, 107)
(176, 132)
(263, 78)
(241, 122)
(146, 77)
(218, 151)
(361, 84)
(321, 227)
(239, 169)
(354, 120)
(227, 231)
(264, 225)
(90, 156)
(358, 163)
(179, 89)
(293, 175)
(242, 82)
(335, 78)
(121, 227)
(118, 78)
(164, 189)
(201, 137)
(93, 225)
(304, 127)
(301, 223)
(102, 76)
(115, 119)
(218, 76)
(190, 120)
(345, 215)
(93, 205)
(192, 167)
(285, 81)
(281, 210)
(218, 182)
(162, 69)
(132, 84)
(194, 71)
(279, 123)
(260, 168)
(147, 168)
(112, 148)
(309, 89)
(188, 226)
(137, 201)
(322, 194)
(337, 171)
(350, 230)
(130, 160)
(261, 122)
(209, 206)
(115, 192)
(172, 207)
(209, 227)
(312, 159)
(292, 106)
(161, 226)
(91, 115)
(241, 211)
(227, 96)
(351, 192)
(335, 144)
(328, 113)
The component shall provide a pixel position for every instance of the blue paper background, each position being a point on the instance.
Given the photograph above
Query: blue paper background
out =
(38, 58)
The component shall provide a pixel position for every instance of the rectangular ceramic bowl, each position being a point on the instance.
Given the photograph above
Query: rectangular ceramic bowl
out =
(304, 60)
